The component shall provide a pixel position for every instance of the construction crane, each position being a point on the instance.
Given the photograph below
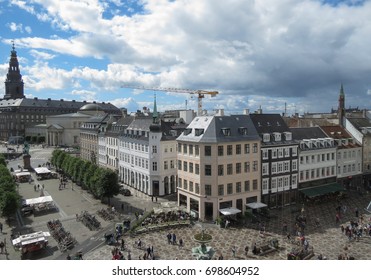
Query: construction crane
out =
(200, 93)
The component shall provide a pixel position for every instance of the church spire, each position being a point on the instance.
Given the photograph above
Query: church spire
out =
(341, 108)
(155, 113)
(13, 84)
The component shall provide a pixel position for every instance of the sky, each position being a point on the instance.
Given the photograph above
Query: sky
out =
(267, 54)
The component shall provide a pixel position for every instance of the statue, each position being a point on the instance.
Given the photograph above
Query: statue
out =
(26, 148)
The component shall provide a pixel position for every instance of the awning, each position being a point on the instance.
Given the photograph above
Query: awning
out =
(323, 189)
(42, 170)
(229, 211)
(256, 205)
(37, 200)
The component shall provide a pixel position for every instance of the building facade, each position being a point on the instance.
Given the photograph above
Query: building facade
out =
(279, 160)
(218, 165)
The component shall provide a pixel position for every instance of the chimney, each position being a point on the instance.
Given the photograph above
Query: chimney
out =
(220, 112)
(246, 111)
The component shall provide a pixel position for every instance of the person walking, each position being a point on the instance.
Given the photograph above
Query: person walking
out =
(1, 227)
(234, 251)
(246, 250)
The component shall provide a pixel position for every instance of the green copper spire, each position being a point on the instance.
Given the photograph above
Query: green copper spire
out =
(341, 90)
(155, 114)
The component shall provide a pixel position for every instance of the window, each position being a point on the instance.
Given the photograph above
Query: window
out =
(197, 169)
(238, 149)
(265, 185)
(247, 186)
(207, 151)
(171, 164)
(208, 190)
(165, 165)
(255, 184)
(265, 153)
(197, 188)
(247, 148)
(180, 182)
(229, 169)
(185, 148)
(286, 166)
(229, 150)
(247, 167)
(274, 153)
(185, 184)
(179, 165)
(154, 166)
(255, 166)
(220, 151)
(220, 189)
(229, 188)
(154, 149)
(191, 167)
(294, 151)
(197, 150)
(238, 187)
(265, 169)
(191, 186)
(191, 149)
(185, 166)
(294, 165)
(238, 168)
(220, 170)
(207, 170)
(294, 180)
(255, 148)
(199, 132)
(226, 131)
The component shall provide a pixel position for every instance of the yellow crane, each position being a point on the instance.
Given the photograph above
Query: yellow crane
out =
(199, 92)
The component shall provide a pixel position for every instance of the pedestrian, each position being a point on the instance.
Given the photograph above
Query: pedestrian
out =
(246, 250)
(356, 212)
(34, 187)
(156, 198)
(129, 255)
(169, 238)
(149, 251)
(174, 239)
(180, 242)
(2, 245)
(234, 251)
(226, 223)
(1, 227)
(220, 257)
(122, 206)
(80, 255)
(68, 257)
(122, 244)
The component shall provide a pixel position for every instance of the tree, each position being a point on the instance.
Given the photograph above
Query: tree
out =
(55, 155)
(9, 204)
(89, 176)
(2, 160)
(60, 159)
(83, 169)
(106, 183)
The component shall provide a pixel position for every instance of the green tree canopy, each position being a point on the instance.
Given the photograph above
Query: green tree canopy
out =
(9, 204)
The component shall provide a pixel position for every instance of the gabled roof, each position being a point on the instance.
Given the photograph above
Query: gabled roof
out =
(307, 133)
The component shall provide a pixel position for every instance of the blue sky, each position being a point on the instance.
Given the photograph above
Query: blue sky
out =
(264, 53)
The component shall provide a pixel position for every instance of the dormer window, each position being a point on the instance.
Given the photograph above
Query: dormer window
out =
(187, 131)
(199, 131)
(288, 136)
(277, 136)
(266, 137)
(242, 130)
(226, 131)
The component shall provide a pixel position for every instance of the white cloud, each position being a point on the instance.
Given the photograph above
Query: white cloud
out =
(279, 50)
(87, 95)
(28, 29)
(128, 103)
(41, 55)
(15, 27)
